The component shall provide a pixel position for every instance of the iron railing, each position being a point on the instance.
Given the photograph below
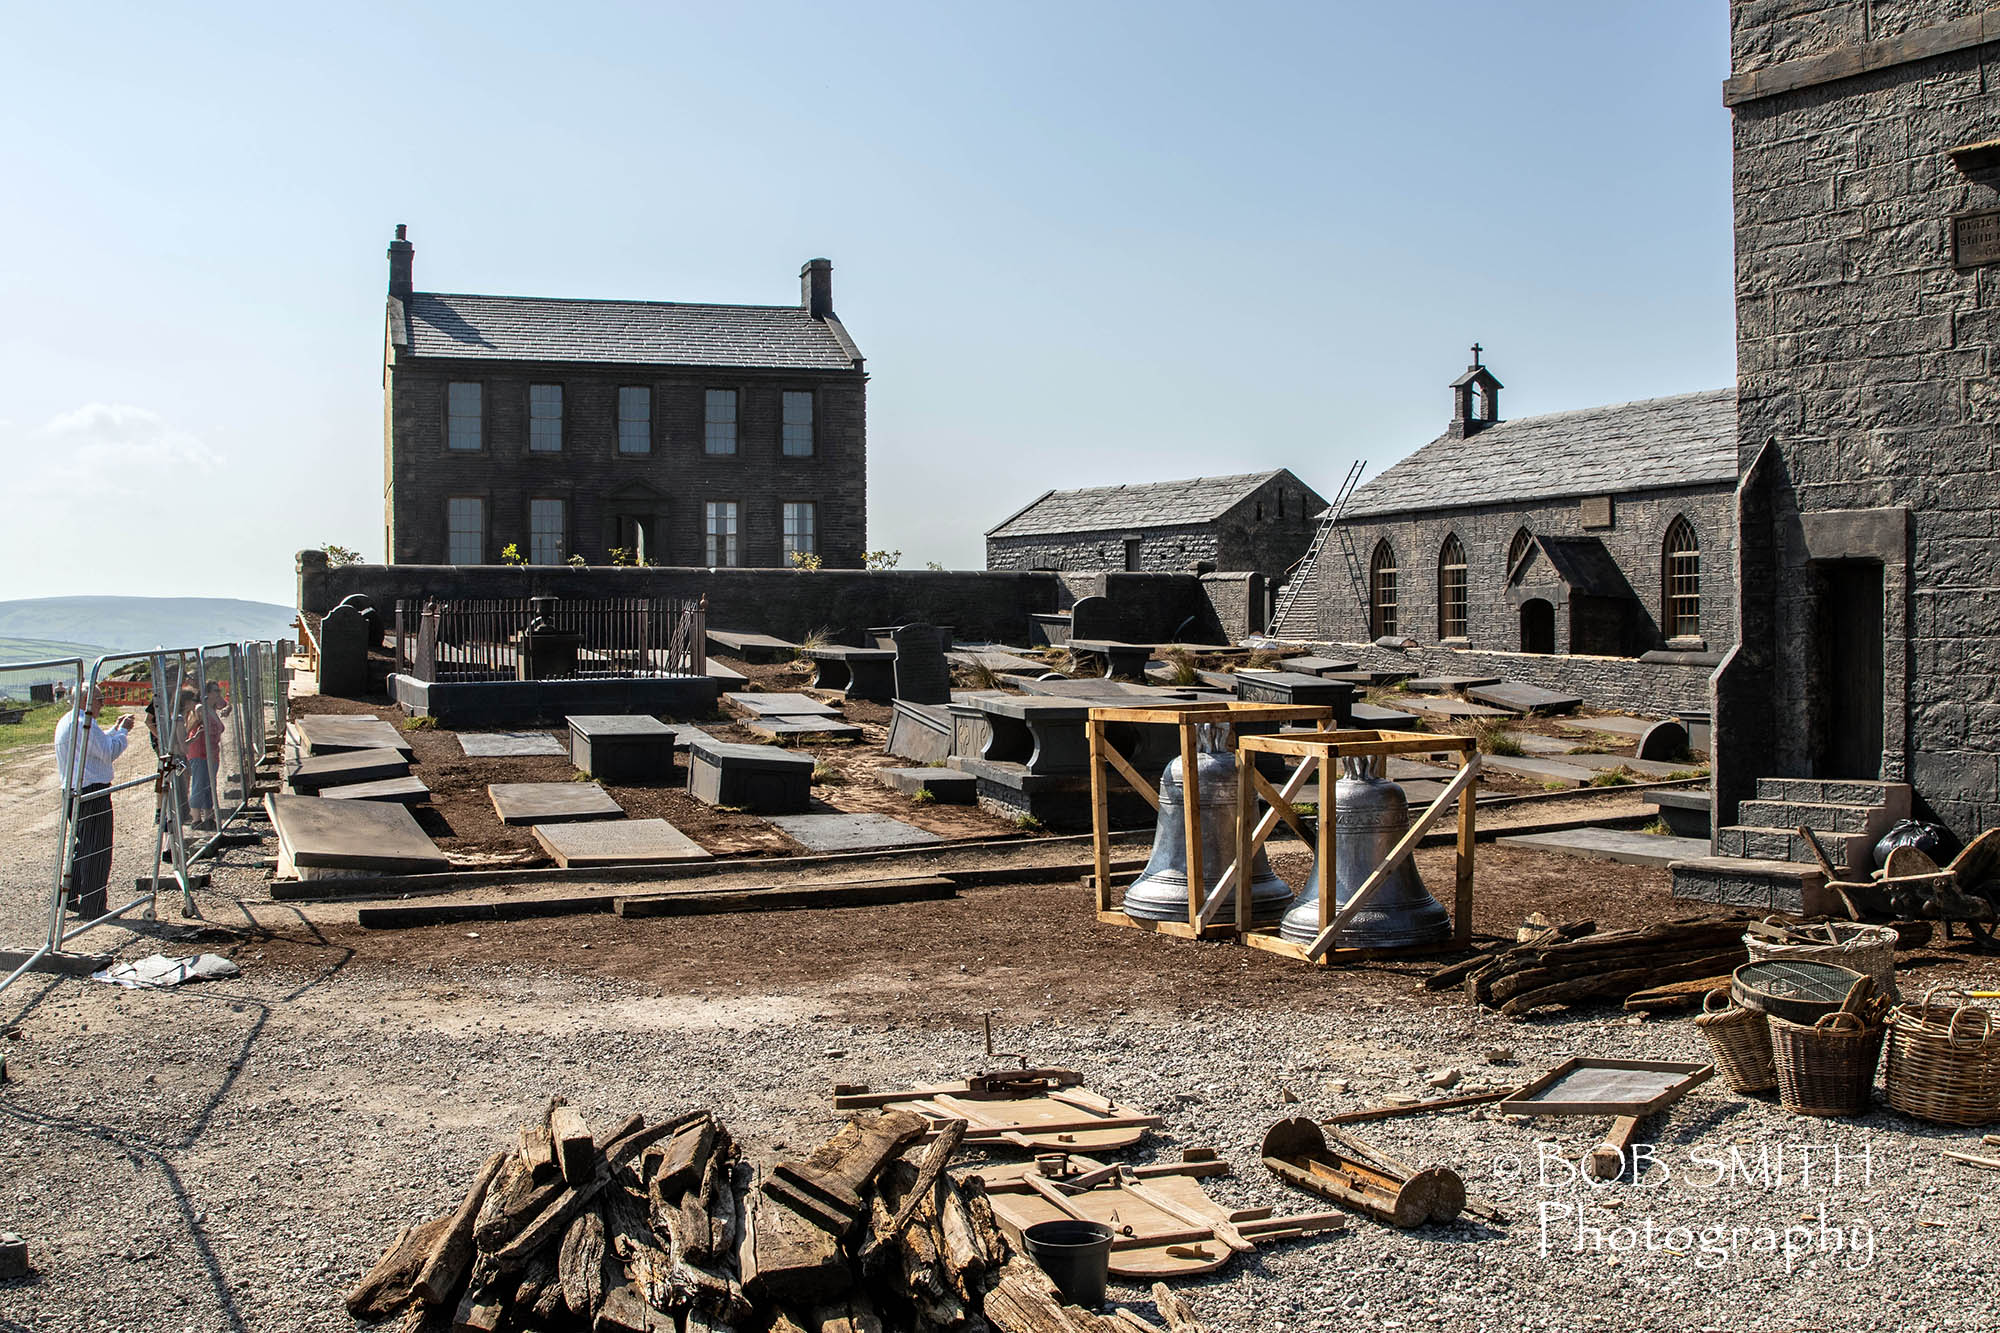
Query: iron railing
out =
(480, 639)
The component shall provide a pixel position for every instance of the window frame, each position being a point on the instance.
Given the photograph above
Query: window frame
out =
(734, 535)
(1517, 549)
(450, 531)
(810, 508)
(479, 417)
(562, 531)
(1454, 601)
(785, 397)
(1680, 608)
(709, 423)
(619, 421)
(1384, 613)
(562, 412)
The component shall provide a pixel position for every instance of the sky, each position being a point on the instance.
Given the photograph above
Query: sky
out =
(1079, 244)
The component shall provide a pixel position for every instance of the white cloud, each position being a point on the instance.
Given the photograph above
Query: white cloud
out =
(112, 446)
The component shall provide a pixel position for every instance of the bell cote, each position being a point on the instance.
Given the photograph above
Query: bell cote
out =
(1475, 399)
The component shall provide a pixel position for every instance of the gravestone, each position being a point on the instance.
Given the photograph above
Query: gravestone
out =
(759, 778)
(551, 802)
(946, 786)
(351, 835)
(781, 705)
(328, 733)
(1092, 618)
(1519, 697)
(508, 744)
(622, 748)
(1444, 706)
(343, 653)
(1539, 770)
(623, 842)
(1665, 740)
(921, 674)
(348, 766)
(811, 728)
(44, 693)
(838, 832)
(1447, 684)
(402, 791)
(919, 731)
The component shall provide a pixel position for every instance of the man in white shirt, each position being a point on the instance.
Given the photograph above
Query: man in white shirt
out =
(90, 866)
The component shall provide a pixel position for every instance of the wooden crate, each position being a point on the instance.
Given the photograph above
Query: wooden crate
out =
(1106, 761)
(1320, 752)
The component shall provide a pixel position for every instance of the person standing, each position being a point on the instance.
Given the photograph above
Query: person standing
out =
(90, 861)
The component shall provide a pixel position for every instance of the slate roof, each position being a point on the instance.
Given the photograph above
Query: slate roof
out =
(1585, 565)
(1159, 504)
(1688, 439)
(653, 333)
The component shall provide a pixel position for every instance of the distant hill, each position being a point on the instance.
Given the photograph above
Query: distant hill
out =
(127, 623)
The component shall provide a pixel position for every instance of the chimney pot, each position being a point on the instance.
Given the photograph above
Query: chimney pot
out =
(816, 288)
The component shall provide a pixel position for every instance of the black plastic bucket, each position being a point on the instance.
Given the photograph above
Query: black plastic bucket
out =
(1076, 1256)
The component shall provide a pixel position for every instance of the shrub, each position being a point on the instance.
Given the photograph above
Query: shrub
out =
(338, 557)
(510, 554)
(807, 561)
(1028, 824)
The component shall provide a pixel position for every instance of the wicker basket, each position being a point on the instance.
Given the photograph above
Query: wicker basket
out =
(1944, 1060)
(1740, 1039)
(1828, 1068)
(1869, 950)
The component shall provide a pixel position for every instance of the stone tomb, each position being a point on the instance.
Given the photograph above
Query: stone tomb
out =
(760, 778)
(324, 733)
(921, 732)
(1122, 661)
(921, 675)
(623, 842)
(1293, 687)
(1315, 666)
(835, 831)
(753, 647)
(348, 766)
(328, 839)
(508, 744)
(551, 802)
(1517, 697)
(946, 786)
(813, 728)
(627, 749)
(861, 673)
(403, 791)
(1377, 718)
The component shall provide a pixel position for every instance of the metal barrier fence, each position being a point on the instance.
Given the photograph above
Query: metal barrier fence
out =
(479, 639)
(211, 714)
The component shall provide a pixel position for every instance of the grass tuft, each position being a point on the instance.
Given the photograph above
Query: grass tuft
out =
(1658, 828)
(1615, 777)
(923, 796)
(424, 722)
(1180, 666)
(1028, 824)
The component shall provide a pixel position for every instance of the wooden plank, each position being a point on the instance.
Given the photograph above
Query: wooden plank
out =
(779, 898)
(1460, 782)
(386, 1286)
(1100, 816)
(575, 1152)
(1246, 848)
(1845, 62)
(452, 1255)
(1529, 1101)
(1131, 775)
(1394, 1109)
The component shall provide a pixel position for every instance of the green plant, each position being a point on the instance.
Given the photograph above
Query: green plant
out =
(1555, 785)
(1490, 734)
(820, 636)
(423, 723)
(1180, 666)
(577, 562)
(623, 557)
(1658, 828)
(581, 775)
(923, 796)
(934, 566)
(807, 561)
(826, 775)
(338, 557)
(882, 559)
(1028, 824)
(1306, 809)
(1614, 777)
(510, 554)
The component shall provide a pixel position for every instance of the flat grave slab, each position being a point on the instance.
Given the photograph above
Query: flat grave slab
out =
(403, 791)
(551, 802)
(715, 670)
(1316, 666)
(1377, 718)
(1536, 744)
(838, 832)
(1623, 846)
(1446, 707)
(1615, 726)
(622, 842)
(946, 786)
(1448, 684)
(1521, 698)
(781, 705)
(352, 835)
(1119, 691)
(1403, 770)
(753, 647)
(994, 659)
(919, 731)
(803, 729)
(1645, 768)
(337, 770)
(1541, 770)
(509, 744)
(321, 733)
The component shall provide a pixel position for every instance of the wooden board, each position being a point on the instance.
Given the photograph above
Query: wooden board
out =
(1067, 1119)
(1586, 1086)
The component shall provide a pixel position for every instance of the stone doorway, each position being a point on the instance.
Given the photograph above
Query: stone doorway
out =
(1850, 632)
(1538, 626)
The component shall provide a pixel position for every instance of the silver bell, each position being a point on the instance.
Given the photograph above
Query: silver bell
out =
(1161, 891)
(1370, 815)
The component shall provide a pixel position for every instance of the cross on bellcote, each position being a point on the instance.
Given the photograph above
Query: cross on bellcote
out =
(1475, 355)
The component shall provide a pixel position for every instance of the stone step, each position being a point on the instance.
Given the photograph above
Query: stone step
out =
(1893, 796)
(1760, 885)
(1782, 844)
(1817, 817)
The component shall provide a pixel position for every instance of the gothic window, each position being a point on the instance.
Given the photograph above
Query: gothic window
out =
(1680, 581)
(1451, 589)
(1382, 591)
(1518, 550)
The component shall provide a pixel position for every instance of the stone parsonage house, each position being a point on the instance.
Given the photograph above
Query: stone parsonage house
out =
(683, 434)
(1605, 531)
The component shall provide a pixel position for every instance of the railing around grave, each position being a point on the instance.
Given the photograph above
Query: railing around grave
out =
(481, 640)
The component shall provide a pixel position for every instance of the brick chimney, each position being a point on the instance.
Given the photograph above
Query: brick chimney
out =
(816, 288)
(402, 256)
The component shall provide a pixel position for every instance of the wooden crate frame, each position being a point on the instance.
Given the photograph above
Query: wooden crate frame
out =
(1317, 753)
(1106, 761)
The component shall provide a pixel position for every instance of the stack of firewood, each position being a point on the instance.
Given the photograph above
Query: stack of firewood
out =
(1574, 961)
(669, 1228)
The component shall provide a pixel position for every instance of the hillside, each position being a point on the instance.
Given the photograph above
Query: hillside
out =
(128, 623)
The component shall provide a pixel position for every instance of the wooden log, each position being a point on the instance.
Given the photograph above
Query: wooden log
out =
(580, 1265)
(575, 1152)
(539, 1298)
(385, 1288)
(1025, 1301)
(625, 1309)
(787, 1259)
(828, 1183)
(452, 1255)
(936, 1158)
(513, 1198)
(480, 1309)
(1175, 1310)
(852, 1314)
(686, 1158)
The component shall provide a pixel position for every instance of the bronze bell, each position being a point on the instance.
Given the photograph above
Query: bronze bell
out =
(1371, 815)
(1161, 891)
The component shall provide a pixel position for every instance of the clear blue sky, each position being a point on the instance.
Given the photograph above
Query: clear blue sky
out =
(1079, 244)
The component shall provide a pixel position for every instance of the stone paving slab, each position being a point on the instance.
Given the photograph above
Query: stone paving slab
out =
(551, 802)
(1624, 846)
(1645, 768)
(347, 766)
(994, 659)
(1521, 698)
(1448, 684)
(404, 791)
(322, 733)
(1536, 744)
(803, 729)
(715, 670)
(1615, 726)
(352, 835)
(594, 725)
(1445, 707)
(1544, 770)
(948, 786)
(621, 842)
(1316, 666)
(509, 744)
(781, 705)
(838, 832)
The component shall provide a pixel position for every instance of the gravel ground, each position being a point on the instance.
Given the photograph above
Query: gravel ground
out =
(232, 1155)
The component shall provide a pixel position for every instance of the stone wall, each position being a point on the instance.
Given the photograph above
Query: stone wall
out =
(667, 488)
(1865, 362)
(1655, 688)
(1639, 528)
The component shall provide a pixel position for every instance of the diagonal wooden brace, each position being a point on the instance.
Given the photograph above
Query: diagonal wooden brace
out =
(1281, 802)
(1460, 781)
